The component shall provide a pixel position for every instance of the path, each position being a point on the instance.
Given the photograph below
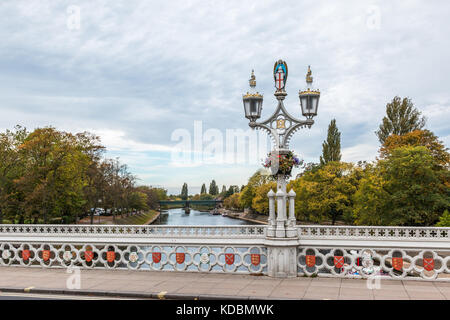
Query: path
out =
(179, 285)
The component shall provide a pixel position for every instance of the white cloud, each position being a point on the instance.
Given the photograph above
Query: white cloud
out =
(136, 71)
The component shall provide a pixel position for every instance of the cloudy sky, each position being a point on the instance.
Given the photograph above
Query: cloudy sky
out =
(139, 72)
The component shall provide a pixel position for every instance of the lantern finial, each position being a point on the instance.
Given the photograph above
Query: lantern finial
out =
(309, 78)
(252, 80)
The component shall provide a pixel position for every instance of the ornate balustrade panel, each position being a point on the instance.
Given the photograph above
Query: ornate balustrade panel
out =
(385, 233)
(385, 262)
(167, 257)
(338, 251)
(134, 231)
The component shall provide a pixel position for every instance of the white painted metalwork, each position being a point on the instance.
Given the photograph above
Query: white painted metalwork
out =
(363, 251)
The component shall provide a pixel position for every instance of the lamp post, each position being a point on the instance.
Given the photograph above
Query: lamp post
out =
(281, 126)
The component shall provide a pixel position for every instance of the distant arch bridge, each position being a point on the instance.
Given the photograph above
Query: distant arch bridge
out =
(187, 203)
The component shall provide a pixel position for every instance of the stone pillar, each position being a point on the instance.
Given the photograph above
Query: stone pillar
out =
(291, 231)
(282, 257)
(281, 215)
(271, 227)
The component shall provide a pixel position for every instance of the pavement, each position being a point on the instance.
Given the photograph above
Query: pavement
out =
(207, 286)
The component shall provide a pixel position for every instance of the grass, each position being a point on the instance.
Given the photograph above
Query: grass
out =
(138, 219)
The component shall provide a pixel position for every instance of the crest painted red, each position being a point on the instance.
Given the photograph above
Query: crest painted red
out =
(310, 260)
(25, 254)
(180, 257)
(110, 256)
(397, 263)
(45, 255)
(338, 261)
(428, 264)
(88, 255)
(229, 258)
(156, 257)
(256, 258)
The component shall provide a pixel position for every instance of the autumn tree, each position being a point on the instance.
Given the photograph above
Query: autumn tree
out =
(232, 202)
(415, 138)
(248, 193)
(325, 194)
(331, 148)
(401, 117)
(260, 202)
(403, 189)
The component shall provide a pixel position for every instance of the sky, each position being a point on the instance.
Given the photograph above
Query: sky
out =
(152, 78)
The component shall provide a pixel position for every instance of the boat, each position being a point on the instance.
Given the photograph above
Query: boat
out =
(215, 212)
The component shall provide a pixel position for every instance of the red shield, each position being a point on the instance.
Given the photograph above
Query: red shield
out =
(229, 258)
(310, 260)
(156, 257)
(45, 255)
(25, 254)
(88, 255)
(338, 261)
(110, 256)
(428, 264)
(180, 257)
(397, 263)
(256, 258)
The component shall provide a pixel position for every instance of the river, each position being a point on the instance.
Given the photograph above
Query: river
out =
(179, 218)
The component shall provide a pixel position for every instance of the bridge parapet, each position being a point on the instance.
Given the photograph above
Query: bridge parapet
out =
(336, 251)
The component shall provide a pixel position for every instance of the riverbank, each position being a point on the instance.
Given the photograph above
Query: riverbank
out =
(147, 217)
(255, 218)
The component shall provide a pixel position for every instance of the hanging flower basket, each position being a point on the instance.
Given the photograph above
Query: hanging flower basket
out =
(282, 163)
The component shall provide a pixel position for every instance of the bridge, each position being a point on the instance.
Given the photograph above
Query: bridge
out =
(187, 203)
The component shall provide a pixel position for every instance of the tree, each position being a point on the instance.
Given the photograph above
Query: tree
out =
(232, 202)
(403, 189)
(11, 168)
(331, 148)
(260, 202)
(415, 138)
(401, 117)
(224, 190)
(325, 194)
(184, 192)
(444, 220)
(138, 201)
(203, 191)
(256, 180)
(213, 188)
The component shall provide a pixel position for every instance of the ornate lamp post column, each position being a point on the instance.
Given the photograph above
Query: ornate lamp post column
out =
(282, 237)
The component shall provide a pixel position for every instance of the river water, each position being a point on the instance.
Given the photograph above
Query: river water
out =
(179, 218)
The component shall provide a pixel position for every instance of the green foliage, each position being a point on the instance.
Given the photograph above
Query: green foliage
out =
(325, 194)
(401, 117)
(232, 202)
(213, 188)
(444, 220)
(184, 192)
(256, 180)
(51, 176)
(331, 148)
(203, 191)
(260, 202)
(403, 189)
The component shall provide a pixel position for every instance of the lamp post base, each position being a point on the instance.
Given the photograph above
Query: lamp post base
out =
(282, 257)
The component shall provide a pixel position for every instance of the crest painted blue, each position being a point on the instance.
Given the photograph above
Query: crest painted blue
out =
(283, 65)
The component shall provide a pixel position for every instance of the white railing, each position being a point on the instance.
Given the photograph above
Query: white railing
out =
(339, 251)
(387, 233)
(245, 231)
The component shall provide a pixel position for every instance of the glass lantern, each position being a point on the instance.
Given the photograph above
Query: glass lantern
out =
(309, 101)
(253, 105)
